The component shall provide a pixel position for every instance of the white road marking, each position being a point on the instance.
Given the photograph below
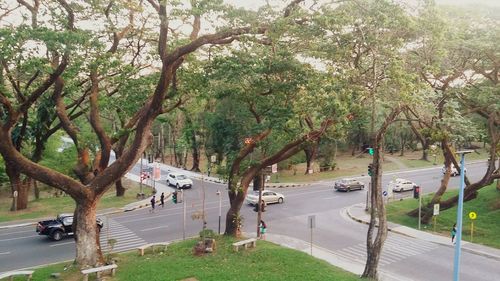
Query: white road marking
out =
(153, 228)
(4, 253)
(17, 238)
(326, 198)
(61, 244)
(2, 234)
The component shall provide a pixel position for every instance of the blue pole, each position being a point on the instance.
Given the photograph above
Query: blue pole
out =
(456, 263)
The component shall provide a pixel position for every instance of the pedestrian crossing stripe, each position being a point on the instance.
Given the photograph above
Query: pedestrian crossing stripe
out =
(395, 249)
(125, 238)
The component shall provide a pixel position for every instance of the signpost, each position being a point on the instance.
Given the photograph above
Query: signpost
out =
(435, 213)
(312, 224)
(472, 217)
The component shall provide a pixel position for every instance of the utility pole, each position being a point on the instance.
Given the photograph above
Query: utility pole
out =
(260, 206)
(456, 261)
(220, 207)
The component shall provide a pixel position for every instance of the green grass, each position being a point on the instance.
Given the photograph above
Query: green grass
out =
(48, 206)
(267, 261)
(486, 226)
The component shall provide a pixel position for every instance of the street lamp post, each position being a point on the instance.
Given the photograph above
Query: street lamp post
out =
(220, 207)
(456, 262)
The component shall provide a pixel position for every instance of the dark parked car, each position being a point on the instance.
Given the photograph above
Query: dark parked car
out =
(60, 227)
(348, 185)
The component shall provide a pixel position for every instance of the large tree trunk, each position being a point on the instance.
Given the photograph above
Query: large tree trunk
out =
(88, 251)
(120, 189)
(427, 211)
(236, 198)
(18, 187)
(310, 151)
(377, 212)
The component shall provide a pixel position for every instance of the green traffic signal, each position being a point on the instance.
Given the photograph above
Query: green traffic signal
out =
(174, 197)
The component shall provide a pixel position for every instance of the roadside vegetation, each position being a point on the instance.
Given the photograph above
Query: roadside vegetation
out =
(486, 206)
(267, 261)
(52, 203)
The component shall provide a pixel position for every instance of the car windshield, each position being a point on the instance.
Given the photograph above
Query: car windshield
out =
(181, 177)
(345, 181)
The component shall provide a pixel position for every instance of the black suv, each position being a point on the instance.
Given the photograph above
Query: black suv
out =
(61, 226)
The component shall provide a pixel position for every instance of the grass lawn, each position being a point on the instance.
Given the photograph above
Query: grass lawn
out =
(48, 206)
(486, 226)
(266, 262)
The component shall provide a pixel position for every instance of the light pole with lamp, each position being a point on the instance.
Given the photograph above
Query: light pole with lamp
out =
(220, 206)
(456, 261)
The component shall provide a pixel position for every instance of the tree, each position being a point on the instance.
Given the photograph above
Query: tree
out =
(95, 177)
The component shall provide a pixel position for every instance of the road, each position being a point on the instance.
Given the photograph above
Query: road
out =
(417, 260)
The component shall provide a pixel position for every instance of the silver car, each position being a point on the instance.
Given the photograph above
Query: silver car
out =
(348, 185)
(268, 197)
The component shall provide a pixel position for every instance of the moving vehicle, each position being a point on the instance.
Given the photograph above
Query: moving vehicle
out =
(179, 180)
(454, 171)
(60, 227)
(400, 185)
(348, 185)
(268, 197)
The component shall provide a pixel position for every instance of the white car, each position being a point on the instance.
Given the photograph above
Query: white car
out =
(400, 185)
(454, 171)
(179, 180)
(268, 196)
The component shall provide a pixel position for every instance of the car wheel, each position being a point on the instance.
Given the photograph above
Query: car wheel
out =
(177, 186)
(168, 182)
(348, 189)
(280, 200)
(401, 190)
(57, 235)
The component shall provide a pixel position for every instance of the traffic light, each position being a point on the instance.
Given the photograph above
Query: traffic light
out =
(370, 150)
(174, 197)
(416, 192)
(370, 169)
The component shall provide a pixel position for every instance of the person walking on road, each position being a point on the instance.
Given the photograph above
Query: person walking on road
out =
(263, 229)
(153, 202)
(162, 200)
(453, 233)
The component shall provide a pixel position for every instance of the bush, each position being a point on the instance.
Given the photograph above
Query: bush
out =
(207, 233)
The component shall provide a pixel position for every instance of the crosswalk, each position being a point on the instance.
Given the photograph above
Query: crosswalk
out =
(396, 248)
(125, 238)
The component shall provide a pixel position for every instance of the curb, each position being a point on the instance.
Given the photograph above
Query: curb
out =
(473, 251)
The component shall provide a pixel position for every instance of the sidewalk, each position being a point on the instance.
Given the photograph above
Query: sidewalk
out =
(357, 213)
(326, 255)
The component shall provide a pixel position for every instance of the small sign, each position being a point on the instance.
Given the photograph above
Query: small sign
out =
(157, 171)
(15, 194)
(310, 171)
(384, 193)
(472, 215)
(274, 168)
(436, 210)
(213, 158)
(312, 221)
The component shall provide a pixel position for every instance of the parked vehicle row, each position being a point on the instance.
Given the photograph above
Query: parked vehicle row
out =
(396, 185)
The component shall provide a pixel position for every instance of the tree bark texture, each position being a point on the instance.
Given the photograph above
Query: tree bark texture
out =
(88, 251)
(377, 212)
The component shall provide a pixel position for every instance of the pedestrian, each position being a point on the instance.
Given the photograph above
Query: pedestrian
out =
(162, 200)
(453, 233)
(263, 206)
(263, 229)
(153, 202)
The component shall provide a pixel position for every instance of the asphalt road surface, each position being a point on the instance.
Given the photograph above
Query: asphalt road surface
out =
(414, 259)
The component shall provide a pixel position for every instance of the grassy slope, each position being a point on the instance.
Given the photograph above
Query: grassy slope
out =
(266, 262)
(49, 207)
(486, 226)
